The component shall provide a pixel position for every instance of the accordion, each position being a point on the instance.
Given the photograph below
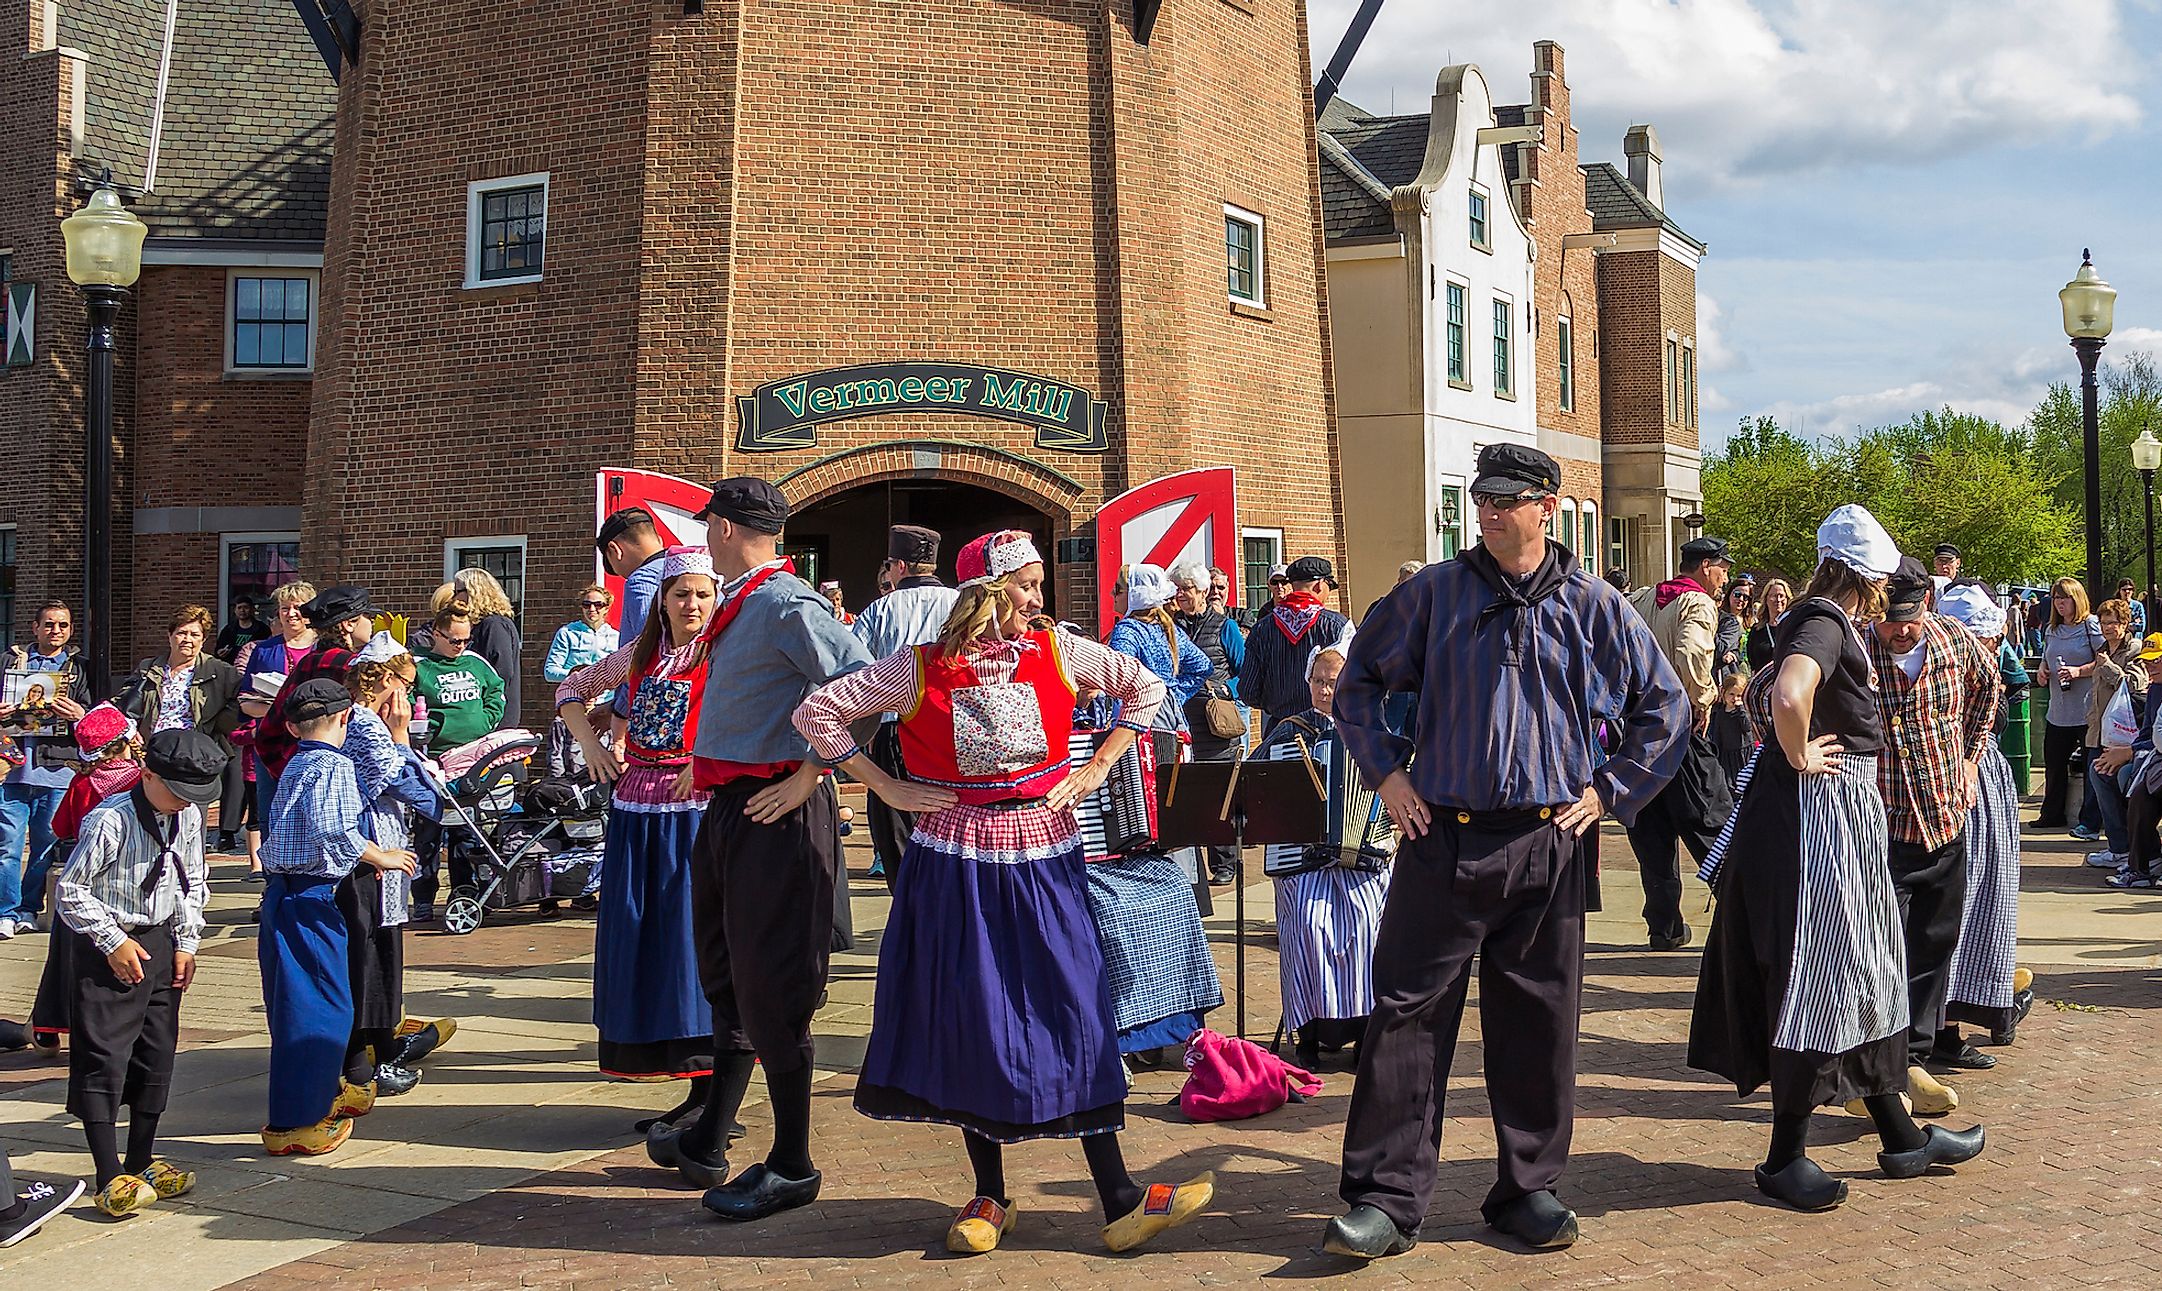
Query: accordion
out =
(1119, 818)
(1357, 832)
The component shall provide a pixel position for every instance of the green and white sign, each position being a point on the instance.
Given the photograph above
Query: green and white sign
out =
(22, 324)
(785, 414)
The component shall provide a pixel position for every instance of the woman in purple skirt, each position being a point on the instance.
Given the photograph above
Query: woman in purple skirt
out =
(993, 1013)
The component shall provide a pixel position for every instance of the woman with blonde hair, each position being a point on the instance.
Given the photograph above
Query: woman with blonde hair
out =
(2070, 651)
(1804, 980)
(1772, 605)
(275, 656)
(495, 633)
(993, 1013)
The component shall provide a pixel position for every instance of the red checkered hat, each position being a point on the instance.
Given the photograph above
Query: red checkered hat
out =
(100, 728)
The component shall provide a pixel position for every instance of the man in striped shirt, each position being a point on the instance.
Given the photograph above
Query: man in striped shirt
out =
(1543, 704)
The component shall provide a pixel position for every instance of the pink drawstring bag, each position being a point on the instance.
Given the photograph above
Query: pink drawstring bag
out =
(1229, 1079)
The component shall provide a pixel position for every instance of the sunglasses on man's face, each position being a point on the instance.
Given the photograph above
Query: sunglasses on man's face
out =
(1499, 502)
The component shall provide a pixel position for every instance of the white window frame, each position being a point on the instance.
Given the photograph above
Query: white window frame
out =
(315, 300)
(452, 546)
(1276, 538)
(1471, 232)
(226, 543)
(1455, 289)
(1260, 226)
(479, 189)
(1673, 377)
(1566, 514)
(1464, 509)
(1689, 382)
(1587, 522)
(1507, 339)
(1565, 361)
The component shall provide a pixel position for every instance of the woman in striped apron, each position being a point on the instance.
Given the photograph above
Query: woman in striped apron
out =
(1804, 977)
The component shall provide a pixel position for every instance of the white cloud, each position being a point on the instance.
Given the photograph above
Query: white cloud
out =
(1715, 352)
(1741, 91)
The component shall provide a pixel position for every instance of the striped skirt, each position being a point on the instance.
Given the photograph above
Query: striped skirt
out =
(1981, 988)
(1804, 976)
(1326, 922)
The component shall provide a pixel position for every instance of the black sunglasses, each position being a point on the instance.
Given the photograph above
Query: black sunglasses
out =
(594, 605)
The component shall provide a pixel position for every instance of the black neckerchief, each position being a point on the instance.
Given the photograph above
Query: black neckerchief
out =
(163, 830)
(918, 580)
(1512, 597)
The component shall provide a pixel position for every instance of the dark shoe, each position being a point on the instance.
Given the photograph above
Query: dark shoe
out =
(13, 1036)
(1537, 1219)
(1964, 1056)
(423, 1040)
(1223, 878)
(423, 912)
(40, 1197)
(759, 1192)
(1940, 1146)
(664, 1145)
(1366, 1234)
(1672, 943)
(256, 915)
(1802, 1185)
(392, 1080)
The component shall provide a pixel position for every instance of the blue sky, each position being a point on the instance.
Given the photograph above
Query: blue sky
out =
(1892, 192)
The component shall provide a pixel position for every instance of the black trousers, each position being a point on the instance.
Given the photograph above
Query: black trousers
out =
(1511, 892)
(121, 1038)
(762, 916)
(2142, 816)
(889, 828)
(235, 803)
(2059, 743)
(1691, 810)
(429, 838)
(1222, 859)
(1931, 883)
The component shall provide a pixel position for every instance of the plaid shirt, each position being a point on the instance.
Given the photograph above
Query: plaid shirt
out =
(315, 821)
(1932, 726)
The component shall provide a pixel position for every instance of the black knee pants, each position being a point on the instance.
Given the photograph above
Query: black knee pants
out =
(121, 1038)
(889, 828)
(762, 916)
(1931, 883)
(1511, 893)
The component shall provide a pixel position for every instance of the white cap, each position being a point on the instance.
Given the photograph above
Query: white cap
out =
(380, 648)
(1972, 607)
(1147, 586)
(1852, 536)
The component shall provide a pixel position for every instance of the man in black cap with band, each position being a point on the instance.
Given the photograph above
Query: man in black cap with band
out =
(343, 618)
(1272, 677)
(912, 612)
(1684, 616)
(766, 866)
(1518, 658)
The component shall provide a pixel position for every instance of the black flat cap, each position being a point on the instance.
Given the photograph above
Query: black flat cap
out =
(334, 605)
(1946, 549)
(621, 522)
(1698, 550)
(316, 698)
(749, 501)
(912, 543)
(1311, 569)
(1514, 471)
(1907, 591)
(189, 762)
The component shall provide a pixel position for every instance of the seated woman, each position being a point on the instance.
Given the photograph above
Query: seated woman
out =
(1327, 916)
(993, 1013)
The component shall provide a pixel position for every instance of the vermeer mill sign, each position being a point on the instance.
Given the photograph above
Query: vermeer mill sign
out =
(786, 414)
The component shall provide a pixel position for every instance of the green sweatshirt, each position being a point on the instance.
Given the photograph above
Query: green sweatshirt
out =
(465, 698)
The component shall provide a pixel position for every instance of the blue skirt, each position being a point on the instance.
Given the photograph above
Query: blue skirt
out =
(992, 1011)
(653, 1016)
(1156, 956)
(308, 994)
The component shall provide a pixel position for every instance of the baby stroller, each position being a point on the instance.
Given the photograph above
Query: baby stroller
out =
(529, 841)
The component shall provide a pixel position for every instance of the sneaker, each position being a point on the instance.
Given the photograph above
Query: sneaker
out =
(422, 912)
(878, 869)
(2086, 834)
(2129, 878)
(2107, 859)
(40, 1200)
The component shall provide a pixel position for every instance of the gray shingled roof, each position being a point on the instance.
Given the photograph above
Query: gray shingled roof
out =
(1618, 204)
(245, 152)
(1371, 155)
(1510, 114)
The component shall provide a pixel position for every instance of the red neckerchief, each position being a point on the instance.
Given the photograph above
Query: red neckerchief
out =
(734, 606)
(1300, 608)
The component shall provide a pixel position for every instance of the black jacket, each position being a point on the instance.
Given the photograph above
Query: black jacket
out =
(213, 697)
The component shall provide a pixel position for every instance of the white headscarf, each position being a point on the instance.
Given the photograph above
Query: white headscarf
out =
(1341, 648)
(1147, 586)
(1853, 537)
(1971, 606)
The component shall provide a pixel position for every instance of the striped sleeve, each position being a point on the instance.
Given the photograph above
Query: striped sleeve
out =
(1090, 666)
(590, 683)
(823, 718)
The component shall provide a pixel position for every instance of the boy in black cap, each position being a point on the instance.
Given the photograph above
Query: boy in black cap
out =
(343, 618)
(132, 897)
(312, 840)
(1273, 675)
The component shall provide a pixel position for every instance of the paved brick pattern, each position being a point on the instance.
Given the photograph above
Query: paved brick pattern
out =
(1660, 1177)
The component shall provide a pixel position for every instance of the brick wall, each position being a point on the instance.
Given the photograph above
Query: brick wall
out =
(772, 188)
(1564, 279)
(1632, 347)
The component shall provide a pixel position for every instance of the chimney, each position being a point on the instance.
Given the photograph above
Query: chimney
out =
(1641, 147)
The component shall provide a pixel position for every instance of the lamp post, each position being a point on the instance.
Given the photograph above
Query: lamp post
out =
(2090, 305)
(2146, 456)
(105, 257)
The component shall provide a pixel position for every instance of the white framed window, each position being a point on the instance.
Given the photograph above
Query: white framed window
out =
(1587, 528)
(1449, 517)
(1565, 366)
(1244, 255)
(1459, 373)
(1620, 537)
(1567, 512)
(1482, 234)
(1689, 384)
(506, 230)
(254, 565)
(1504, 364)
(1260, 550)
(1673, 375)
(270, 320)
(502, 555)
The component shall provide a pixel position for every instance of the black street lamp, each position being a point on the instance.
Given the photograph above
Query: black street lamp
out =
(2090, 305)
(105, 257)
(2146, 456)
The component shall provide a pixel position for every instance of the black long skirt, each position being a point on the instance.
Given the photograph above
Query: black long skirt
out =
(374, 953)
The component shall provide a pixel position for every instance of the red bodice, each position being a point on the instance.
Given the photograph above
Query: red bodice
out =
(990, 741)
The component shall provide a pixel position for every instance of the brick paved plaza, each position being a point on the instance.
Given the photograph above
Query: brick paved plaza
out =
(512, 1166)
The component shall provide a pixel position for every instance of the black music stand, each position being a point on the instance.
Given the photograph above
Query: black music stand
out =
(1211, 804)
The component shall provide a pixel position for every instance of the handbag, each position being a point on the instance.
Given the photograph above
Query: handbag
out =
(1233, 1079)
(1220, 712)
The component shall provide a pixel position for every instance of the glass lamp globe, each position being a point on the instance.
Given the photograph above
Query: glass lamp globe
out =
(2090, 304)
(2146, 451)
(105, 242)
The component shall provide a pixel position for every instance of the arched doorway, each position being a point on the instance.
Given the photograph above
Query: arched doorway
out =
(843, 537)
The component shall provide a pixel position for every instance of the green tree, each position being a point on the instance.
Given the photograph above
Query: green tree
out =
(1759, 489)
(2131, 400)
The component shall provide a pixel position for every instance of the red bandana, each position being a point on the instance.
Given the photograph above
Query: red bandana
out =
(1296, 613)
